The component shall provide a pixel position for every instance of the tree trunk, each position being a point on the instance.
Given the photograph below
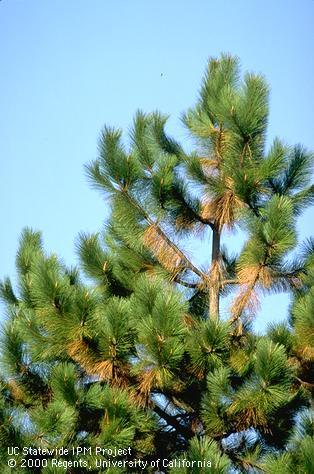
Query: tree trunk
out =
(214, 275)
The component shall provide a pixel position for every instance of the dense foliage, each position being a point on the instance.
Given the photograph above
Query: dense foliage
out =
(130, 349)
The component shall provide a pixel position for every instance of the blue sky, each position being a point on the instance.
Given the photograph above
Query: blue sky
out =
(69, 67)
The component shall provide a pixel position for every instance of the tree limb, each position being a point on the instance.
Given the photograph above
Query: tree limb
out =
(172, 421)
(185, 283)
(169, 242)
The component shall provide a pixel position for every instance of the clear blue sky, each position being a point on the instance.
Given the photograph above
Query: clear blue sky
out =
(68, 67)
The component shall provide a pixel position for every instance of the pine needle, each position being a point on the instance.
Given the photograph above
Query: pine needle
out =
(246, 299)
(105, 369)
(223, 209)
(170, 260)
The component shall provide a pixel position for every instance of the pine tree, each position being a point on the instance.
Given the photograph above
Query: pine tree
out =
(131, 351)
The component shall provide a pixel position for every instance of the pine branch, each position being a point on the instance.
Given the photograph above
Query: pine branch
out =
(7, 294)
(232, 281)
(187, 284)
(287, 275)
(206, 222)
(244, 299)
(173, 421)
(215, 275)
(169, 242)
(305, 384)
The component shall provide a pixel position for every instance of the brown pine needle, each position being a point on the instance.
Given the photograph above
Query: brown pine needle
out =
(163, 252)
